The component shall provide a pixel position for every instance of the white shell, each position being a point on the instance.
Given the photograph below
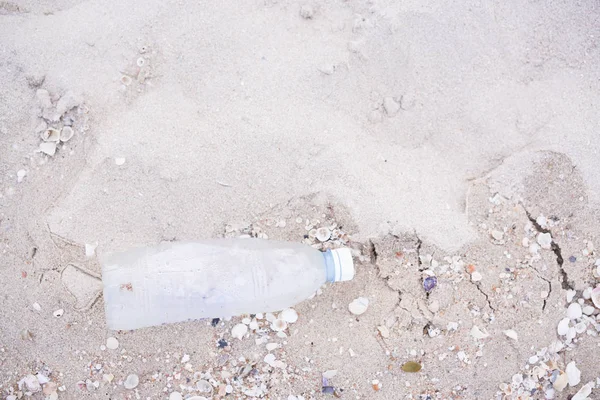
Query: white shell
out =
(574, 311)
(563, 327)
(204, 386)
(573, 374)
(476, 276)
(359, 306)
(58, 313)
(323, 234)
(112, 343)
(50, 135)
(66, 133)
(289, 315)
(279, 325)
(239, 331)
(584, 392)
(478, 333)
(272, 346)
(596, 296)
(561, 382)
(48, 148)
(175, 396)
(511, 334)
(131, 382)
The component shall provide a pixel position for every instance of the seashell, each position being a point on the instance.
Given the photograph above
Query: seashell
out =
(359, 306)
(58, 313)
(279, 325)
(126, 80)
(50, 135)
(561, 382)
(563, 327)
(131, 382)
(596, 296)
(239, 331)
(48, 148)
(511, 334)
(574, 311)
(66, 133)
(112, 343)
(573, 374)
(204, 386)
(323, 234)
(289, 315)
(477, 333)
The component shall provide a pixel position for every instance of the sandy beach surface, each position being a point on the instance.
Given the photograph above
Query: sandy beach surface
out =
(453, 146)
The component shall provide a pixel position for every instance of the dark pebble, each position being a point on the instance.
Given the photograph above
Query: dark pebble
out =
(222, 344)
(215, 321)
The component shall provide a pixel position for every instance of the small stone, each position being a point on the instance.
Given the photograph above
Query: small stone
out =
(48, 148)
(596, 296)
(545, 240)
(108, 377)
(390, 106)
(359, 306)
(119, 161)
(563, 327)
(572, 259)
(573, 374)
(175, 396)
(307, 11)
(37, 307)
(270, 359)
(588, 310)
(131, 382)
(289, 315)
(112, 343)
(587, 293)
(497, 235)
(383, 331)
(570, 295)
(574, 311)
(429, 283)
(239, 331)
(185, 358)
(476, 276)
(58, 313)
(511, 334)
(323, 234)
(533, 360)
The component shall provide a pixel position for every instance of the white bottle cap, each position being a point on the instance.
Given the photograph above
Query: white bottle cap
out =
(344, 265)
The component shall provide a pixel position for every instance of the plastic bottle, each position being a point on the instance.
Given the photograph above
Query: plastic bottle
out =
(182, 281)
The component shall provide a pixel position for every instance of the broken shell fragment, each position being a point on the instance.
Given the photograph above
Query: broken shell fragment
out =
(50, 135)
(359, 306)
(131, 382)
(48, 148)
(545, 240)
(66, 133)
(126, 80)
(596, 296)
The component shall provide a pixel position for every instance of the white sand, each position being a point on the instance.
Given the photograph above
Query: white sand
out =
(240, 107)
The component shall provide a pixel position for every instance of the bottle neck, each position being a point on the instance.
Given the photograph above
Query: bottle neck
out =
(329, 265)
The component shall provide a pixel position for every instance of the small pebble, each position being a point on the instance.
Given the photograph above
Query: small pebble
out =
(90, 250)
(573, 374)
(359, 306)
(307, 11)
(545, 240)
(279, 325)
(563, 327)
(58, 313)
(131, 382)
(112, 343)
(572, 259)
(497, 235)
(119, 160)
(37, 307)
(323, 234)
(429, 283)
(476, 276)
